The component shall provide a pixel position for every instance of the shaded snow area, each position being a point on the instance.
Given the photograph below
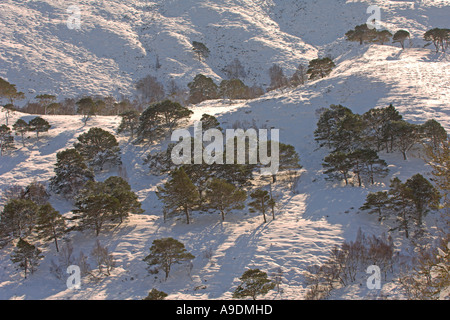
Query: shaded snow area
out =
(118, 44)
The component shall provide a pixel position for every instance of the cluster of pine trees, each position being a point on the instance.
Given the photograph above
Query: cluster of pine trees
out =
(408, 203)
(355, 140)
(28, 217)
(37, 125)
(440, 37)
(214, 187)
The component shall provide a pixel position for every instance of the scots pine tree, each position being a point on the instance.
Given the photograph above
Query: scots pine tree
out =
(434, 132)
(39, 125)
(129, 123)
(254, 283)
(50, 224)
(21, 127)
(128, 202)
(26, 256)
(171, 114)
(202, 88)
(401, 36)
(88, 107)
(210, 122)
(377, 203)
(155, 294)
(95, 207)
(401, 205)
(232, 89)
(362, 33)
(338, 166)
(423, 195)
(223, 196)
(6, 139)
(406, 135)
(18, 218)
(201, 50)
(320, 68)
(261, 202)
(71, 173)
(166, 252)
(179, 194)
(99, 148)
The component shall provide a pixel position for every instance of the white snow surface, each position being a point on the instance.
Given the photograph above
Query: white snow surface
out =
(117, 45)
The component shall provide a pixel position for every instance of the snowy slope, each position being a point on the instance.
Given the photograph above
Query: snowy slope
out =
(120, 41)
(310, 221)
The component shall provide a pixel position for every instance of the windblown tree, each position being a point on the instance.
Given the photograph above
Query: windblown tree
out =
(71, 173)
(166, 252)
(99, 148)
(383, 36)
(400, 36)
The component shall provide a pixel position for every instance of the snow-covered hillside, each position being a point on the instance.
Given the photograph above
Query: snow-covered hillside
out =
(118, 44)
